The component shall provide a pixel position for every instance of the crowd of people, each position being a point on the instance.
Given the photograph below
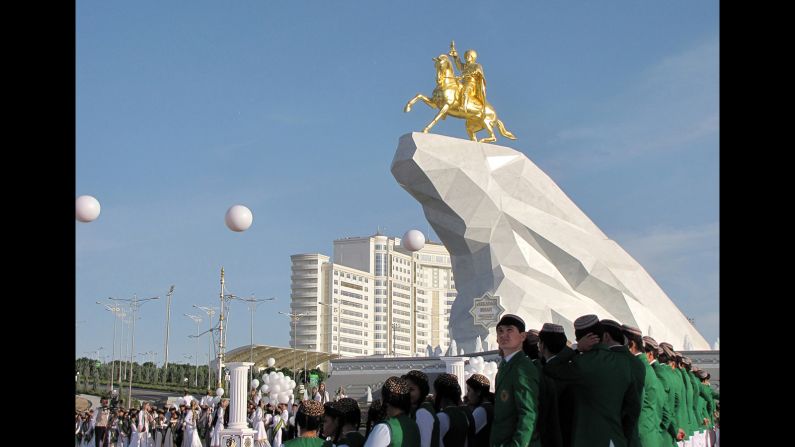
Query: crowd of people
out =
(612, 387)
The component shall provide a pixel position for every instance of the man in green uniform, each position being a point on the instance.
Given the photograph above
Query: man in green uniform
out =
(603, 388)
(689, 417)
(666, 430)
(650, 414)
(547, 432)
(422, 411)
(552, 341)
(516, 388)
(668, 356)
(397, 430)
(308, 419)
(630, 411)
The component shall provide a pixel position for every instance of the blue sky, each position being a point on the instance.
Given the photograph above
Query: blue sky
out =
(295, 109)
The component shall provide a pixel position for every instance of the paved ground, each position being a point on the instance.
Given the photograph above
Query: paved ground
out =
(85, 401)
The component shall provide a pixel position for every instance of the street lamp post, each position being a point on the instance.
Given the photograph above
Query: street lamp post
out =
(168, 325)
(210, 311)
(135, 303)
(294, 317)
(196, 320)
(114, 310)
(252, 307)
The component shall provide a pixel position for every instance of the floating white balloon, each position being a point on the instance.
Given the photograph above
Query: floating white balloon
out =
(254, 384)
(219, 392)
(413, 240)
(265, 388)
(239, 218)
(271, 362)
(86, 208)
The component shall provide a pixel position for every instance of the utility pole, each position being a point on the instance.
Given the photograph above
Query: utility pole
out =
(294, 317)
(210, 311)
(168, 326)
(221, 325)
(135, 303)
(115, 310)
(196, 320)
(252, 307)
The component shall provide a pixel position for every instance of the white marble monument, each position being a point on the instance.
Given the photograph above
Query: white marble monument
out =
(516, 238)
(238, 434)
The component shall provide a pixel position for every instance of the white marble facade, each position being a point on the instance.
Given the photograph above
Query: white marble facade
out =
(512, 232)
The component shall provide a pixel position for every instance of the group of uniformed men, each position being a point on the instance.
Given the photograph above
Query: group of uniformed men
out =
(614, 387)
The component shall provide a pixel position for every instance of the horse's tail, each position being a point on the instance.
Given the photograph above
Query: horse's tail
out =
(504, 131)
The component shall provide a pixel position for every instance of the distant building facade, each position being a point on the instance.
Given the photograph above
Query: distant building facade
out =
(373, 298)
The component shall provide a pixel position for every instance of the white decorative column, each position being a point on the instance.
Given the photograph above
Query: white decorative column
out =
(238, 430)
(455, 365)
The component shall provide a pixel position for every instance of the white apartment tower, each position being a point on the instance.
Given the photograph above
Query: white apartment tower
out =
(375, 298)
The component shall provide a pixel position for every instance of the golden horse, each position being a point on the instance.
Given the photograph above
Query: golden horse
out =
(447, 98)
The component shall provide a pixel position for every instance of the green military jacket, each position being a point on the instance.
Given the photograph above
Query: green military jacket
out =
(651, 410)
(689, 404)
(680, 404)
(563, 383)
(630, 416)
(515, 402)
(706, 393)
(305, 442)
(668, 427)
(602, 385)
(695, 386)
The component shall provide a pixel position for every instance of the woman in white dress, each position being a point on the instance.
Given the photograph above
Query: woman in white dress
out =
(258, 423)
(218, 423)
(191, 438)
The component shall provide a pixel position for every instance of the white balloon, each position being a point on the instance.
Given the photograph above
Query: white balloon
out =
(266, 399)
(283, 399)
(266, 379)
(273, 396)
(280, 375)
(271, 362)
(239, 218)
(219, 392)
(276, 388)
(86, 208)
(254, 383)
(413, 240)
(272, 374)
(265, 388)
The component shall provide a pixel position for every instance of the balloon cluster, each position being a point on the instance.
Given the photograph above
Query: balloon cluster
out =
(276, 387)
(477, 365)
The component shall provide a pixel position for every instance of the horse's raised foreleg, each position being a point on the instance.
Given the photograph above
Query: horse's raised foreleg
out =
(442, 112)
(417, 98)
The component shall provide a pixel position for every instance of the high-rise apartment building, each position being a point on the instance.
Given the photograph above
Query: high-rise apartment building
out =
(374, 298)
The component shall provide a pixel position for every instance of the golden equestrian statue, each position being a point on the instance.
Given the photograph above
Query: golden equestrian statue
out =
(462, 96)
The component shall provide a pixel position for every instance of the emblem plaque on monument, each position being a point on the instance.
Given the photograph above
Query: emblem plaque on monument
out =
(486, 310)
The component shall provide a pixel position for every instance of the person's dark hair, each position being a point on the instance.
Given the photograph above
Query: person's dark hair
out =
(634, 338)
(654, 351)
(375, 414)
(596, 329)
(331, 411)
(446, 387)
(615, 333)
(351, 412)
(553, 341)
(420, 379)
(530, 344)
(309, 416)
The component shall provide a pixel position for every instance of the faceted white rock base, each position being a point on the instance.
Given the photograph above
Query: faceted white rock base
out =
(512, 232)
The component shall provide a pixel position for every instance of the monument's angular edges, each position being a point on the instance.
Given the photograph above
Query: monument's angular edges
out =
(558, 264)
